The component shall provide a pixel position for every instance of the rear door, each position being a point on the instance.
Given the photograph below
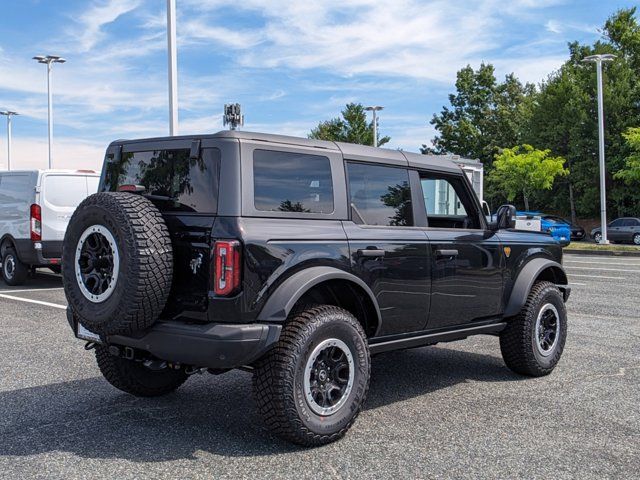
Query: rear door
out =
(615, 231)
(466, 258)
(387, 250)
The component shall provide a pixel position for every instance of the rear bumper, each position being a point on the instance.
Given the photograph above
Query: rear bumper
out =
(219, 346)
(38, 253)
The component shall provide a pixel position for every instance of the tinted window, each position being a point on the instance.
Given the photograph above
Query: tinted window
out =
(617, 223)
(380, 195)
(15, 188)
(292, 182)
(171, 179)
(630, 222)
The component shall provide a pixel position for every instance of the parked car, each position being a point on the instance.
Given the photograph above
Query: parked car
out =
(297, 259)
(577, 232)
(35, 208)
(622, 230)
(560, 231)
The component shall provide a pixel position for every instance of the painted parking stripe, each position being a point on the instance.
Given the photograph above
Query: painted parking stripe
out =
(31, 290)
(37, 302)
(595, 277)
(626, 264)
(603, 269)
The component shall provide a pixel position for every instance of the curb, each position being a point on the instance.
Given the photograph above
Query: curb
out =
(604, 253)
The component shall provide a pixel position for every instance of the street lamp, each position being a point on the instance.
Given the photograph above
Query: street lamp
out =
(173, 67)
(598, 60)
(375, 122)
(49, 60)
(8, 114)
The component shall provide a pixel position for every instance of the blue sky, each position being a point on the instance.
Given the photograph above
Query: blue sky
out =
(289, 63)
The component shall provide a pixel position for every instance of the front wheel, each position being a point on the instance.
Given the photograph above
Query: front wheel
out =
(311, 386)
(636, 239)
(533, 342)
(597, 237)
(136, 379)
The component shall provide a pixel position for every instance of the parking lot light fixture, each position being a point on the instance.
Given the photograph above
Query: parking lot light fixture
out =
(598, 60)
(8, 114)
(49, 60)
(375, 109)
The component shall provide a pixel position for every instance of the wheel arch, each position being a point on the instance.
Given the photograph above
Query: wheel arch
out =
(6, 241)
(535, 270)
(335, 286)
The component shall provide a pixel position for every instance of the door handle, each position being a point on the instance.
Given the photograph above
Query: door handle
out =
(446, 253)
(371, 252)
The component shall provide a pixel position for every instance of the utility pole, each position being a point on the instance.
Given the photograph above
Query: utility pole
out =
(49, 60)
(8, 114)
(598, 60)
(375, 109)
(173, 67)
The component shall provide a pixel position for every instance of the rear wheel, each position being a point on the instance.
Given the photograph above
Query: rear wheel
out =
(136, 379)
(311, 386)
(636, 239)
(14, 272)
(533, 342)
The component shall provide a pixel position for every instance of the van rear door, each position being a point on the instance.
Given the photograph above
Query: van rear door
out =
(60, 194)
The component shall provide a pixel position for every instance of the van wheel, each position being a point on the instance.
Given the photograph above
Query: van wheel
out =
(533, 342)
(311, 385)
(14, 272)
(136, 379)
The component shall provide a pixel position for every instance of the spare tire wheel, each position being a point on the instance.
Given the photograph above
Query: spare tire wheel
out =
(117, 263)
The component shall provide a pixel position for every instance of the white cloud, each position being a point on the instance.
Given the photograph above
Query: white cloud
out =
(100, 14)
(32, 153)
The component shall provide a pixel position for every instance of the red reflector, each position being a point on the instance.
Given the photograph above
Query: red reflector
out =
(36, 223)
(226, 272)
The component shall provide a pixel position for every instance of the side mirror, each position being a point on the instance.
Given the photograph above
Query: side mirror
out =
(505, 218)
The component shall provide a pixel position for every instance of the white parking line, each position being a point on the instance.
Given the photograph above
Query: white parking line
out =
(37, 302)
(576, 283)
(31, 290)
(625, 264)
(597, 276)
(603, 269)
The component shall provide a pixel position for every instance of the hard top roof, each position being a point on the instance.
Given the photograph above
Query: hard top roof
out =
(350, 151)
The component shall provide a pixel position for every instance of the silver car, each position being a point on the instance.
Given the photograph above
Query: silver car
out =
(622, 230)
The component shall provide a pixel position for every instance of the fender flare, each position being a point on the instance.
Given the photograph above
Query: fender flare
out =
(527, 276)
(6, 240)
(280, 303)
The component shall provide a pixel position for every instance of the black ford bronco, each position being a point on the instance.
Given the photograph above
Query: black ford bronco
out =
(298, 259)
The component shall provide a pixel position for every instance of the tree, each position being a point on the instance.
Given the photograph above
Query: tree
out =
(485, 115)
(351, 128)
(631, 172)
(523, 170)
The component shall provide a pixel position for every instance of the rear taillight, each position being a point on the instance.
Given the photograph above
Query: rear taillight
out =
(227, 267)
(36, 223)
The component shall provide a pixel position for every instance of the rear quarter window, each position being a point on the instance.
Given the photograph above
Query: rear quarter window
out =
(171, 179)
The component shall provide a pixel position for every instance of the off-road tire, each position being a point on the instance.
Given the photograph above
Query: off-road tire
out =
(145, 263)
(20, 270)
(518, 342)
(134, 378)
(279, 376)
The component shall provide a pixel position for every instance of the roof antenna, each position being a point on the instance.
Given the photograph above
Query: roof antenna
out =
(232, 116)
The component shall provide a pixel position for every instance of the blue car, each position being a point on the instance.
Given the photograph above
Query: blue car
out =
(558, 229)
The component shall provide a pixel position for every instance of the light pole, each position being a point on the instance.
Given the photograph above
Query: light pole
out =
(598, 59)
(375, 122)
(8, 114)
(49, 60)
(173, 67)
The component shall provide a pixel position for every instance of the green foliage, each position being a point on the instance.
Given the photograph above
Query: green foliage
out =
(352, 127)
(631, 173)
(524, 170)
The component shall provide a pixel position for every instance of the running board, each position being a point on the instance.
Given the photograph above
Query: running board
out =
(432, 338)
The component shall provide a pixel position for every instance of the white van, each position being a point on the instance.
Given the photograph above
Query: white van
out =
(35, 208)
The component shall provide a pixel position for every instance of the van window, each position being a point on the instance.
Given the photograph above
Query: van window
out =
(64, 190)
(15, 188)
(292, 182)
(171, 179)
(380, 195)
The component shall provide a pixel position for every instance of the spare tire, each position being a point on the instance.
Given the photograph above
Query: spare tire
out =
(117, 263)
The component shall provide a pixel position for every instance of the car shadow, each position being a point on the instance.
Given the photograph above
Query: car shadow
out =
(91, 419)
(42, 279)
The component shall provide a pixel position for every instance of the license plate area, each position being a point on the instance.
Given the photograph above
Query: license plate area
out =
(88, 335)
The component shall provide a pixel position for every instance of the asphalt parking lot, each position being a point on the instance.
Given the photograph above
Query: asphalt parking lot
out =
(449, 411)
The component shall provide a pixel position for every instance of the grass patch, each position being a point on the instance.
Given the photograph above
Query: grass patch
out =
(595, 246)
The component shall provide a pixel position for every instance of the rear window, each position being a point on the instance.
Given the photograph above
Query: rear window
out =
(292, 182)
(170, 178)
(65, 190)
(15, 188)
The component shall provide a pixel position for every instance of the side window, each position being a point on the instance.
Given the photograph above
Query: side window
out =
(14, 188)
(171, 178)
(617, 223)
(448, 203)
(380, 195)
(292, 182)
